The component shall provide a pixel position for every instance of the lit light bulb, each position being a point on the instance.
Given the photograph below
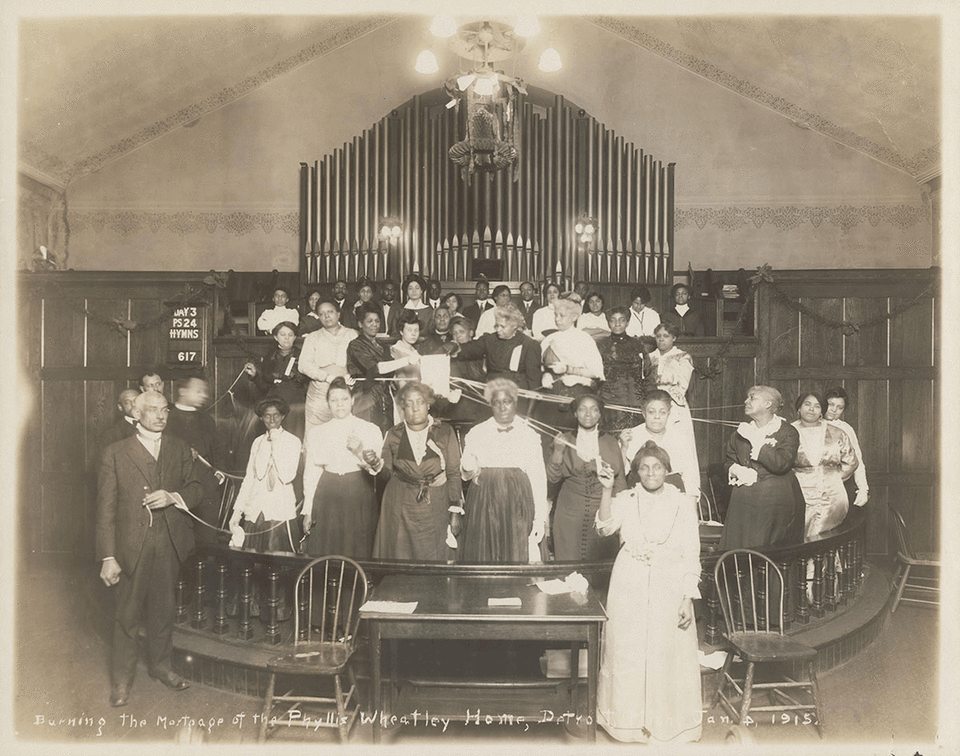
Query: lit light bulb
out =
(396, 231)
(578, 228)
(589, 229)
(550, 60)
(443, 26)
(527, 26)
(427, 62)
(385, 231)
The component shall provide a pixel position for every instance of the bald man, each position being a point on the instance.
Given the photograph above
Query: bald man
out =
(126, 425)
(147, 483)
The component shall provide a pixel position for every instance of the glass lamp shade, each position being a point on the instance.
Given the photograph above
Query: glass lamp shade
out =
(427, 62)
(550, 60)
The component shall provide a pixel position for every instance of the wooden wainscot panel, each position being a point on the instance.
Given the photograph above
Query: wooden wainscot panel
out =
(63, 326)
(106, 342)
(868, 346)
(820, 344)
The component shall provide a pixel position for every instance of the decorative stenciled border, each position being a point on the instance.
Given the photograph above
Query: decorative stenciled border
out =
(922, 160)
(127, 222)
(789, 217)
(55, 167)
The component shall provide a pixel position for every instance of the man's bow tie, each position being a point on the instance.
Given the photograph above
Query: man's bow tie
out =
(505, 430)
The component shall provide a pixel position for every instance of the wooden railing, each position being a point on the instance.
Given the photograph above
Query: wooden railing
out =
(218, 577)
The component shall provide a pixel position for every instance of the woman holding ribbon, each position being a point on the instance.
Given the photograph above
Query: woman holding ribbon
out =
(423, 496)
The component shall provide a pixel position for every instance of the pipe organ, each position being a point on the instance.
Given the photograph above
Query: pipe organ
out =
(569, 166)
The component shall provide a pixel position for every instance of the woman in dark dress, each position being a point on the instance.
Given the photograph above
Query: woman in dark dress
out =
(508, 351)
(342, 458)
(766, 504)
(628, 372)
(507, 507)
(574, 462)
(369, 359)
(423, 496)
(278, 376)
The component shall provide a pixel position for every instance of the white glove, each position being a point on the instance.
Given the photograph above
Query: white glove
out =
(861, 499)
(741, 475)
(750, 432)
(237, 536)
(454, 396)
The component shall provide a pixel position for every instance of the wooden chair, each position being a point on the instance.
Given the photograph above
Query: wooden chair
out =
(907, 559)
(750, 589)
(330, 591)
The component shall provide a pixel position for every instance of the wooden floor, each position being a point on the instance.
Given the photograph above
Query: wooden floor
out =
(887, 695)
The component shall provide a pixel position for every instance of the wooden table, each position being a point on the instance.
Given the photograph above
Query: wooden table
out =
(456, 608)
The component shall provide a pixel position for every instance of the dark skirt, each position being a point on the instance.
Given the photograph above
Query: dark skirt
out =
(272, 535)
(344, 516)
(575, 536)
(499, 517)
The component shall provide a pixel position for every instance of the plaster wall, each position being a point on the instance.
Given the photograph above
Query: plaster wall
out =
(753, 187)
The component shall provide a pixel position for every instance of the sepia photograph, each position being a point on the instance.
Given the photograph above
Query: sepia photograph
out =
(481, 375)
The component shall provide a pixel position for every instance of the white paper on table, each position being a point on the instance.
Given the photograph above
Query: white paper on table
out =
(512, 601)
(390, 607)
(554, 587)
(435, 372)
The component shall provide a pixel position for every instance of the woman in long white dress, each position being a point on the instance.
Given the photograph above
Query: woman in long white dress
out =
(674, 369)
(649, 687)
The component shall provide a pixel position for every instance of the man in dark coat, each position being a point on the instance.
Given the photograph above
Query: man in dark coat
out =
(189, 423)
(126, 425)
(146, 484)
(528, 304)
(685, 315)
(481, 303)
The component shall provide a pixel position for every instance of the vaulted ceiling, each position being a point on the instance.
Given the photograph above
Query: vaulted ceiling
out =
(93, 89)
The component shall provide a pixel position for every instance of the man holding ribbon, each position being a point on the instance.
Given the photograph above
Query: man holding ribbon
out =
(147, 484)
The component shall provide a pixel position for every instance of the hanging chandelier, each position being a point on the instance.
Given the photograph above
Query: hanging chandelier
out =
(491, 96)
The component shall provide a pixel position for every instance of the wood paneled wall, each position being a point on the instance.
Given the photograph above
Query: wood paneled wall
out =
(75, 367)
(891, 371)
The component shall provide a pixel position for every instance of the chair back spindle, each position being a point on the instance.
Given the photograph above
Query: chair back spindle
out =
(750, 587)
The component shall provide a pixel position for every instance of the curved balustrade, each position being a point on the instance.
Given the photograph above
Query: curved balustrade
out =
(217, 591)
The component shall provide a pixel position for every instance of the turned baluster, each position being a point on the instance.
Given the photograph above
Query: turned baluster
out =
(199, 595)
(803, 602)
(245, 627)
(846, 574)
(817, 610)
(180, 598)
(272, 605)
(830, 580)
(220, 624)
(303, 606)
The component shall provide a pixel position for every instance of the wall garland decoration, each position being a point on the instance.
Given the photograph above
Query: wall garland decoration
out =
(182, 223)
(764, 277)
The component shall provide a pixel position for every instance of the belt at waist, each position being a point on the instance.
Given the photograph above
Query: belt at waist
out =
(423, 483)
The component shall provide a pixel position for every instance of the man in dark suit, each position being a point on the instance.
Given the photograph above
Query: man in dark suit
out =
(143, 536)
(683, 313)
(125, 426)
(528, 304)
(433, 293)
(389, 308)
(483, 302)
(188, 422)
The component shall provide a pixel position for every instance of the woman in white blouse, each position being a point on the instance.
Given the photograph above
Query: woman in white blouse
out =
(266, 502)
(506, 507)
(342, 458)
(543, 319)
(674, 369)
(322, 358)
